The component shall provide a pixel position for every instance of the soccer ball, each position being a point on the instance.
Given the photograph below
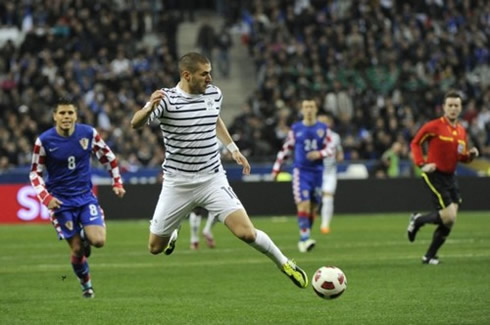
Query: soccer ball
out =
(329, 282)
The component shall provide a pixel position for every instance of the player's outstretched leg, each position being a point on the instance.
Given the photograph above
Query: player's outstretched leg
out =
(264, 244)
(195, 223)
(207, 233)
(171, 243)
(295, 273)
(209, 239)
(326, 214)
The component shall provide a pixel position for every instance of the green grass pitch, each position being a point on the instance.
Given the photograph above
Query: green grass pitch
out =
(234, 284)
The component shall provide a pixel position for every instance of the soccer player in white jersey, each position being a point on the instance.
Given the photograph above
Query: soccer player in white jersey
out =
(64, 152)
(329, 184)
(188, 115)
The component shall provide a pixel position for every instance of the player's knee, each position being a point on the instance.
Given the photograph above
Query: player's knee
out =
(99, 242)
(155, 249)
(247, 235)
(449, 222)
(448, 216)
(77, 250)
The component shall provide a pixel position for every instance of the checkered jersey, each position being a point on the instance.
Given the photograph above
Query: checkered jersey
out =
(66, 161)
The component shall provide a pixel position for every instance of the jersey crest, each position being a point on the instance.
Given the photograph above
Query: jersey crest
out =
(209, 104)
(69, 225)
(320, 133)
(84, 143)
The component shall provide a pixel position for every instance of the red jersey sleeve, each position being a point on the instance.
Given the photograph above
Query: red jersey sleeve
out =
(107, 158)
(36, 173)
(427, 131)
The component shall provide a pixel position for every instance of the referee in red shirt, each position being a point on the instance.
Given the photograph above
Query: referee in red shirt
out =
(447, 145)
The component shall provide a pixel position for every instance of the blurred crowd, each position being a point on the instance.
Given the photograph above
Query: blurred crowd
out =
(95, 52)
(379, 68)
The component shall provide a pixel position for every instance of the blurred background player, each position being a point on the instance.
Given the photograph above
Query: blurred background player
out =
(195, 222)
(329, 183)
(308, 138)
(447, 144)
(65, 151)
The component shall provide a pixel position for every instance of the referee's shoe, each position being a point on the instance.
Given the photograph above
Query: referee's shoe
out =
(413, 227)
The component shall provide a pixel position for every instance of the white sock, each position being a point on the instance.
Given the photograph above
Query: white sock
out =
(327, 211)
(265, 245)
(209, 224)
(195, 222)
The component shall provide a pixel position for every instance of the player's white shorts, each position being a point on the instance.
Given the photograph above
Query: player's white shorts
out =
(180, 195)
(329, 184)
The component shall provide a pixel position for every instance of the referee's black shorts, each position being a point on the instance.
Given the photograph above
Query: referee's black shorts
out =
(443, 187)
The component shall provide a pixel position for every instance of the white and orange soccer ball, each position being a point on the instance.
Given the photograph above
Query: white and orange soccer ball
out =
(329, 282)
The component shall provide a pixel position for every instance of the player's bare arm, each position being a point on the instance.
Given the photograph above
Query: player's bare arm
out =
(225, 138)
(140, 117)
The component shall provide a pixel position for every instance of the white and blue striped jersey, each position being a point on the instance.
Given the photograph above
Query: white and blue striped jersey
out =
(188, 124)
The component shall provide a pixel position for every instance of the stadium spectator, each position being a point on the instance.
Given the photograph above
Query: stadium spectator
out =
(396, 71)
(206, 39)
(64, 53)
(223, 43)
(420, 50)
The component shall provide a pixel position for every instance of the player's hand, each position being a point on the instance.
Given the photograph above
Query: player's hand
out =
(429, 168)
(274, 175)
(119, 191)
(313, 155)
(473, 153)
(54, 203)
(242, 161)
(155, 98)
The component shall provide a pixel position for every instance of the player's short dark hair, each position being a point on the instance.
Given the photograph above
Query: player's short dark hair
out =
(453, 94)
(309, 99)
(190, 62)
(64, 101)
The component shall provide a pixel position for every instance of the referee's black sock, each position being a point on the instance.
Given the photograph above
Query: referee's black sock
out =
(431, 217)
(439, 237)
